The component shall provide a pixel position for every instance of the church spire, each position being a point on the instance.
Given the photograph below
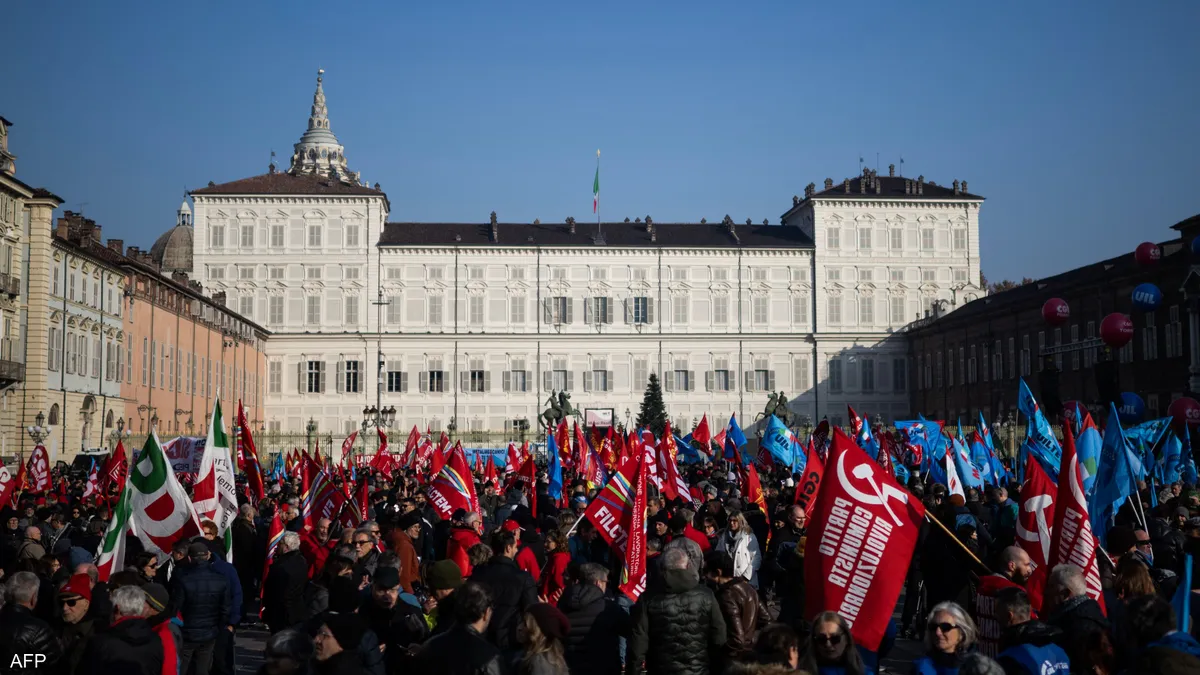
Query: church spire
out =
(319, 152)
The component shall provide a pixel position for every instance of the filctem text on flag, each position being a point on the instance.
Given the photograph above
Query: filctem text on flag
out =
(856, 540)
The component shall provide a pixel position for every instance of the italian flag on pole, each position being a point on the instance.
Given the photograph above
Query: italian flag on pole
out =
(596, 186)
(214, 495)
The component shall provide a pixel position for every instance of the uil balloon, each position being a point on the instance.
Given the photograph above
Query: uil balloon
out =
(1116, 330)
(1147, 297)
(1185, 411)
(1132, 408)
(1147, 253)
(1056, 311)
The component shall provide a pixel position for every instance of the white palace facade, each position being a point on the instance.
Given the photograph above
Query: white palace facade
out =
(476, 323)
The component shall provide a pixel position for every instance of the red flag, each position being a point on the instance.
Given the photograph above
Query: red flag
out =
(754, 491)
(512, 459)
(563, 441)
(443, 442)
(348, 445)
(1035, 517)
(856, 422)
(673, 484)
(703, 435)
(1071, 540)
(579, 453)
(820, 436)
(436, 464)
(9, 487)
(452, 487)
(860, 541)
(274, 535)
(610, 510)
(363, 500)
(248, 457)
(489, 472)
(21, 481)
(93, 483)
(478, 464)
(764, 458)
(382, 441)
(633, 574)
(115, 470)
(39, 470)
(410, 446)
(668, 438)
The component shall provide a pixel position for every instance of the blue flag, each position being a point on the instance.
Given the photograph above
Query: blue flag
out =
(1115, 481)
(687, 453)
(1039, 437)
(967, 471)
(982, 459)
(734, 432)
(780, 442)
(555, 467)
(1182, 601)
(1188, 469)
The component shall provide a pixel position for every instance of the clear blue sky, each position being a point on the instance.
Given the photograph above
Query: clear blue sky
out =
(1077, 120)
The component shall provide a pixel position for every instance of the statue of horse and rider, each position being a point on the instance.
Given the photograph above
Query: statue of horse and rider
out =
(558, 409)
(777, 405)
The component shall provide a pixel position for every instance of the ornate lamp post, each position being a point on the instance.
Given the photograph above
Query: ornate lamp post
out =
(118, 434)
(39, 431)
(379, 418)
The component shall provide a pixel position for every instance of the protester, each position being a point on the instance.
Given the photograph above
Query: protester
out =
(462, 537)
(831, 649)
(283, 588)
(597, 624)
(462, 650)
(288, 652)
(511, 589)
(553, 580)
(682, 621)
(74, 600)
(1160, 648)
(1015, 568)
(397, 624)
(1027, 645)
(21, 632)
(203, 598)
(949, 636)
(541, 634)
(1086, 635)
(335, 645)
(738, 602)
(130, 645)
(402, 539)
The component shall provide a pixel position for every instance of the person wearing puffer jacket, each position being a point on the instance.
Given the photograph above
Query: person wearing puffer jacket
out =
(202, 596)
(23, 632)
(741, 544)
(1027, 646)
(682, 620)
(597, 624)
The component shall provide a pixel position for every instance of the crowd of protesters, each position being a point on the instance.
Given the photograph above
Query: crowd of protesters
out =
(505, 591)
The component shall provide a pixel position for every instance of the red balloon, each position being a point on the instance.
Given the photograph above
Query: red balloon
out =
(1116, 330)
(1185, 411)
(1147, 253)
(1056, 311)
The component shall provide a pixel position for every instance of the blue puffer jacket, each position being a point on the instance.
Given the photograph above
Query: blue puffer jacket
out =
(202, 597)
(228, 571)
(1031, 659)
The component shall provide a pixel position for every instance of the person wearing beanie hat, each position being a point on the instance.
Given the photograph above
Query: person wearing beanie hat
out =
(336, 644)
(542, 632)
(398, 625)
(74, 600)
(403, 539)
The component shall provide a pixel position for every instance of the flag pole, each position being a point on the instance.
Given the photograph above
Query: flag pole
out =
(938, 522)
(599, 227)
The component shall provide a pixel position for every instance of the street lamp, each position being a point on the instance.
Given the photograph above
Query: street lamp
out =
(806, 426)
(379, 418)
(38, 432)
(118, 433)
(311, 428)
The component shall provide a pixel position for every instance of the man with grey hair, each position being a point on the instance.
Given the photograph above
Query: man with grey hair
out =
(597, 623)
(1066, 606)
(283, 590)
(130, 644)
(680, 617)
(23, 633)
(247, 553)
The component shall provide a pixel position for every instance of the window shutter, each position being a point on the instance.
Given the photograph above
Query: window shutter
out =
(487, 380)
(547, 314)
(300, 383)
(464, 382)
(691, 383)
(749, 377)
(340, 384)
(626, 302)
(547, 380)
(403, 382)
(323, 383)
(570, 380)
(669, 380)
(883, 375)
(528, 379)
(609, 385)
(770, 380)
(588, 313)
(570, 310)
(505, 381)
(649, 310)
(423, 381)
(709, 376)
(587, 380)
(608, 310)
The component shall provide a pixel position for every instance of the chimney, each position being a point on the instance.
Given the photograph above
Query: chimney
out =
(921, 184)
(810, 190)
(878, 186)
(704, 221)
(271, 167)
(956, 186)
(891, 170)
(626, 219)
(63, 226)
(494, 234)
(571, 225)
(964, 187)
(649, 225)
(862, 182)
(653, 236)
(180, 277)
(796, 199)
(828, 183)
(117, 245)
(846, 186)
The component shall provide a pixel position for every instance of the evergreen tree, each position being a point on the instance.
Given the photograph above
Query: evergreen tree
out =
(653, 415)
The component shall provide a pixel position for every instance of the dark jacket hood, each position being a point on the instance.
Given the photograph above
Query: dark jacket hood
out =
(135, 631)
(1032, 632)
(679, 581)
(579, 596)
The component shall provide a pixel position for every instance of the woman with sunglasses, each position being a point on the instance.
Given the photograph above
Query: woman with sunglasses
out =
(949, 637)
(830, 649)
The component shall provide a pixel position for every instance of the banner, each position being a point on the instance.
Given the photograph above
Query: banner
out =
(806, 489)
(633, 572)
(1035, 516)
(184, 454)
(860, 542)
(39, 470)
(452, 488)
(1071, 540)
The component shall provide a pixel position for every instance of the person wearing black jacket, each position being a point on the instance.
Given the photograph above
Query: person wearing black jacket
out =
(202, 597)
(512, 590)
(398, 625)
(1086, 635)
(462, 650)
(597, 624)
(130, 646)
(681, 619)
(23, 633)
(283, 589)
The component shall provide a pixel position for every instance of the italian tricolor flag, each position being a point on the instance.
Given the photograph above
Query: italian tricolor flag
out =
(596, 186)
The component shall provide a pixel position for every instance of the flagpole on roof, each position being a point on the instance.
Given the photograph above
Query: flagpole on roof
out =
(596, 196)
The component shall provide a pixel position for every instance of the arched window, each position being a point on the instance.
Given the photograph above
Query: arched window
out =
(53, 419)
(108, 421)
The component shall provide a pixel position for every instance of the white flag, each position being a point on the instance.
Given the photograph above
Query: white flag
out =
(215, 495)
